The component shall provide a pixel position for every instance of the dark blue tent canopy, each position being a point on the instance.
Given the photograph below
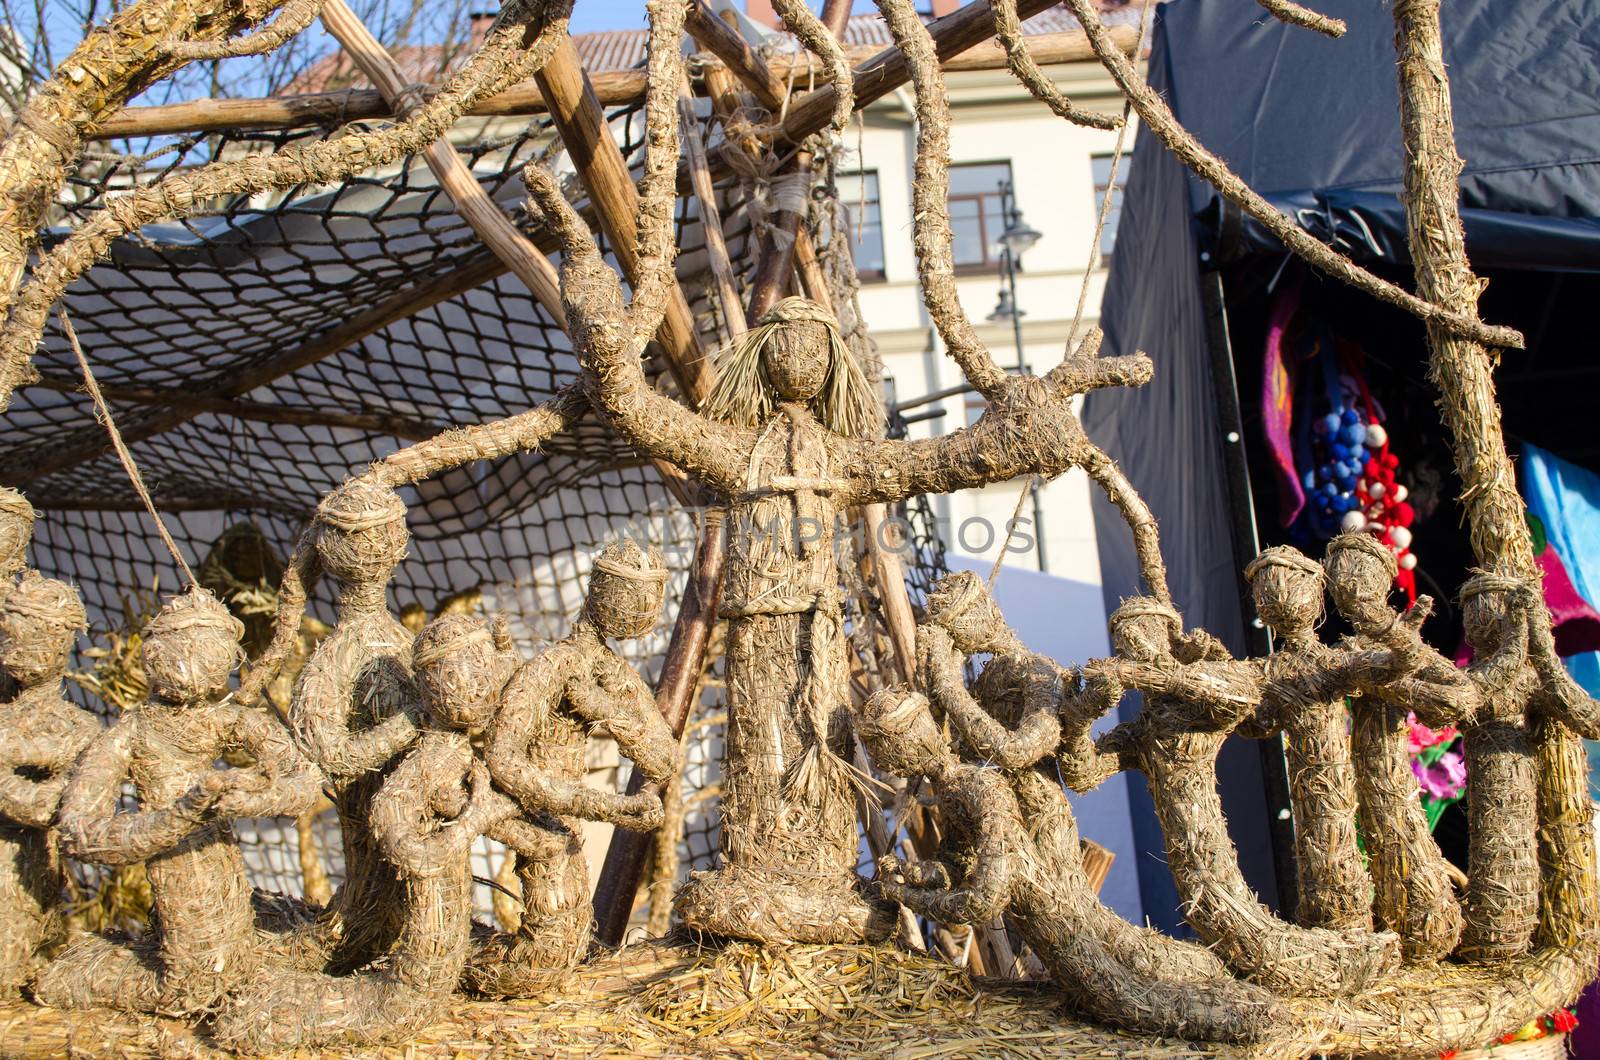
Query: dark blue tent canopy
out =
(1313, 124)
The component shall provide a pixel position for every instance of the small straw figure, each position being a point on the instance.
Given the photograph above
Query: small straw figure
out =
(1308, 682)
(206, 938)
(536, 755)
(353, 713)
(1412, 891)
(993, 863)
(43, 736)
(430, 810)
(1189, 710)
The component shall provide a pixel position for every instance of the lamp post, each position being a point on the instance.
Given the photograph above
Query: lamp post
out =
(1015, 240)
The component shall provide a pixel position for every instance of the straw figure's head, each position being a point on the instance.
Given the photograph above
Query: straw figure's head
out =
(795, 354)
(1143, 629)
(38, 623)
(962, 606)
(361, 532)
(897, 727)
(460, 671)
(190, 648)
(626, 587)
(16, 530)
(1287, 588)
(1360, 571)
(1487, 601)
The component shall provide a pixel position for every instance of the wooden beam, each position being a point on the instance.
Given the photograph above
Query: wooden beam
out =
(579, 119)
(612, 87)
(404, 427)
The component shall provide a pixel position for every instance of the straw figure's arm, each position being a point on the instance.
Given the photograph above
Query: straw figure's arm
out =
(1227, 692)
(533, 695)
(1368, 669)
(1086, 762)
(1497, 675)
(1037, 733)
(1028, 428)
(403, 815)
(598, 324)
(621, 704)
(93, 830)
(320, 715)
(34, 768)
(983, 818)
(1559, 696)
(289, 783)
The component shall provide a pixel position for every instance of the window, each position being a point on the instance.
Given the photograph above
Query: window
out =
(1101, 167)
(975, 217)
(859, 194)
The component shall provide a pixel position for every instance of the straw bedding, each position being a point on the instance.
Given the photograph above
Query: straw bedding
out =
(682, 1001)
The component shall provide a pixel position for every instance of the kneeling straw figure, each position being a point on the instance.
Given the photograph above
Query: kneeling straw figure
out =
(204, 939)
(536, 754)
(993, 863)
(424, 819)
(43, 734)
(1189, 711)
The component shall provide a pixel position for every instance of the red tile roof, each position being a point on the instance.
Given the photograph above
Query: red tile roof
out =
(621, 49)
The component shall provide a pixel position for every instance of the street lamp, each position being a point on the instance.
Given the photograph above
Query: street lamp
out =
(1015, 240)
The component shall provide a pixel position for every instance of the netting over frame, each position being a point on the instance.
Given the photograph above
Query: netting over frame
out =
(252, 290)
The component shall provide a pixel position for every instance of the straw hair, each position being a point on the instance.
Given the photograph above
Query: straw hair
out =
(1364, 543)
(360, 505)
(447, 635)
(196, 609)
(744, 394)
(14, 503)
(1484, 581)
(46, 600)
(1142, 606)
(1283, 556)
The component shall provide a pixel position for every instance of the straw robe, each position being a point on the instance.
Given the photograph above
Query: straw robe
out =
(206, 940)
(43, 736)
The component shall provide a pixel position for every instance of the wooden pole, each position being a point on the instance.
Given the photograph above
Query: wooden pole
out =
(520, 256)
(579, 119)
(612, 87)
(260, 412)
(710, 215)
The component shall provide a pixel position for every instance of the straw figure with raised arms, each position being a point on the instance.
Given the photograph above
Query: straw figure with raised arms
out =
(41, 737)
(205, 938)
(1132, 976)
(535, 753)
(1189, 711)
(425, 817)
(788, 438)
(353, 712)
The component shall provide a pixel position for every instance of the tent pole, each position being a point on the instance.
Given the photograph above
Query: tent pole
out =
(1246, 544)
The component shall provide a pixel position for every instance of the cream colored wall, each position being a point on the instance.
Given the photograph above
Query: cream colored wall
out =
(993, 119)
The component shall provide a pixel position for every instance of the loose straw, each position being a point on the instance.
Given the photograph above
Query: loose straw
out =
(1088, 270)
(103, 414)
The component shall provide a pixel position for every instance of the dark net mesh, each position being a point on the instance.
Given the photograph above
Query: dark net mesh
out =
(261, 351)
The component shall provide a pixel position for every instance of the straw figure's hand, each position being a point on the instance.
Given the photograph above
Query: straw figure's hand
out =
(918, 872)
(242, 792)
(486, 807)
(530, 840)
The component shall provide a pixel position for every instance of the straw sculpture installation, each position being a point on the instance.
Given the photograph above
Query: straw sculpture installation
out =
(212, 929)
(427, 745)
(44, 734)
